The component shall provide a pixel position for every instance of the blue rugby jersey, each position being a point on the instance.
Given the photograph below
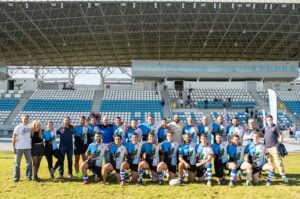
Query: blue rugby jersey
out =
(169, 151)
(236, 154)
(220, 151)
(256, 154)
(91, 133)
(192, 131)
(188, 153)
(202, 152)
(235, 130)
(117, 155)
(96, 152)
(162, 134)
(147, 128)
(120, 130)
(50, 137)
(107, 133)
(81, 135)
(131, 131)
(134, 152)
(152, 153)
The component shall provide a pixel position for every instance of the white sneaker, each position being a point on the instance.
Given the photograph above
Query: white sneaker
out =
(285, 179)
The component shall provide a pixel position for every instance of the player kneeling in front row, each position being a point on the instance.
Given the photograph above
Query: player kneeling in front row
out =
(117, 161)
(169, 158)
(187, 159)
(133, 156)
(221, 161)
(94, 154)
(150, 154)
(204, 155)
(256, 152)
(236, 155)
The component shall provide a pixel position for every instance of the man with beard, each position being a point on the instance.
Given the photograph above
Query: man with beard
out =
(177, 128)
(94, 154)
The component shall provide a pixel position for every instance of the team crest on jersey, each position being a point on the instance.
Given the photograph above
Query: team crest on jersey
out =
(200, 157)
(153, 151)
(258, 155)
(222, 152)
(117, 155)
(134, 153)
(237, 156)
(190, 153)
(97, 153)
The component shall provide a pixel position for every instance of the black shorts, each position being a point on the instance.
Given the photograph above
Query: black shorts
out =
(153, 168)
(134, 167)
(192, 168)
(94, 168)
(80, 149)
(219, 168)
(257, 169)
(115, 167)
(172, 168)
(200, 171)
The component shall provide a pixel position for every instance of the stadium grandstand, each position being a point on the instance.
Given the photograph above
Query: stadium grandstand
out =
(139, 58)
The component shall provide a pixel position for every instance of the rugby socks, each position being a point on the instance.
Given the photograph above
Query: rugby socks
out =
(249, 176)
(122, 175)
(181, 179)
(209, 172)
(160, 176)
(232, 175)
(85, 179)
(141, 173)
(270, 176)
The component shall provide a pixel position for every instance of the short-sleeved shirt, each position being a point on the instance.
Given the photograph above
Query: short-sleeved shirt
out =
(169, 151)
(220, 151)
(192, 131)
(50, 137)
(134, 152)
(97, 152)
(188, 153)
(107, 133)
(23, 140)
(152, 153)
(81, 135)
(177, 128)
(117, 155)
(248, 133)
(235, 130)
(147, 128)
(236, 154)
(206, 129)
(91, 132)
(121, 131)
(162, 134)
(202, 152)
(131, 131)
(257, 153)
(218, 128)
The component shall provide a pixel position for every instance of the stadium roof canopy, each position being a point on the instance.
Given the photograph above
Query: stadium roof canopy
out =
(112, 33)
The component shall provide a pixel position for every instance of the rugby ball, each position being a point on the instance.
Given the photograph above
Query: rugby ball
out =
(174, 182)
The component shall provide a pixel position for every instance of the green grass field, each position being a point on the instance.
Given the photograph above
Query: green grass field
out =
(74, 189)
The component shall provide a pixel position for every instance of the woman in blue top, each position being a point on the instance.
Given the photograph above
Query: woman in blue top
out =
(51, 148)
